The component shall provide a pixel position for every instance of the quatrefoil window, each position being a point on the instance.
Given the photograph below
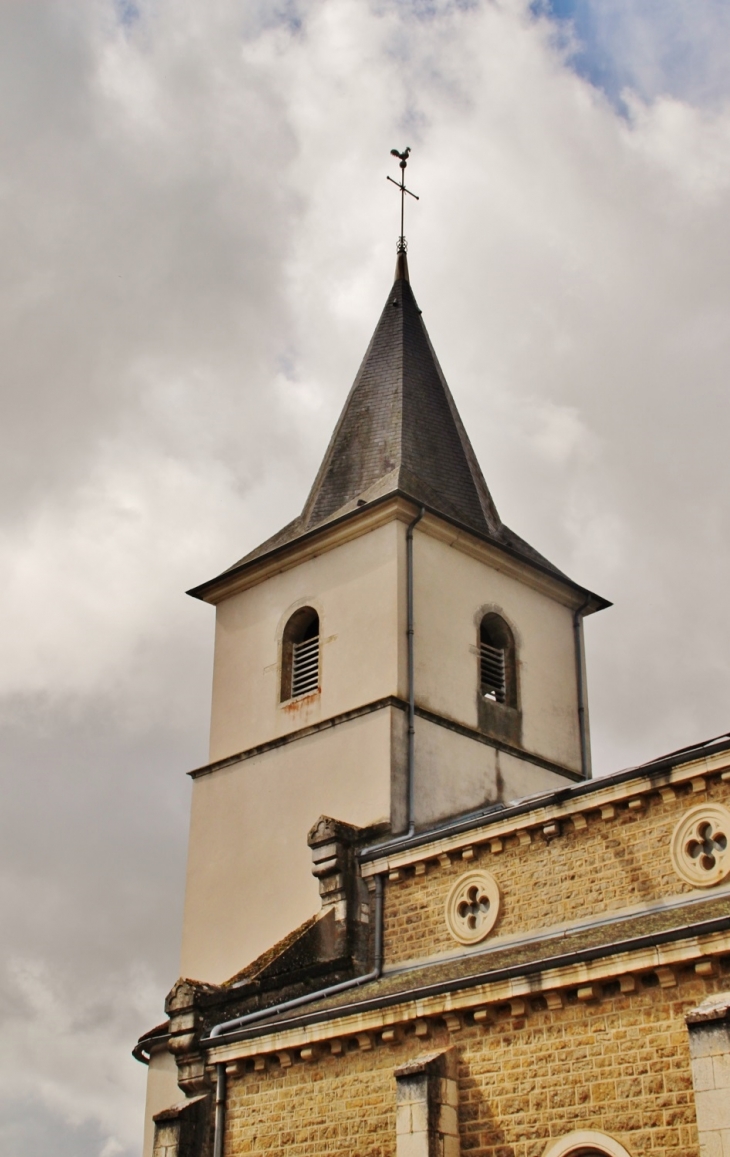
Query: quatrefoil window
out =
(472, 907)
(700, 851)
(475, 907)
(706, 846)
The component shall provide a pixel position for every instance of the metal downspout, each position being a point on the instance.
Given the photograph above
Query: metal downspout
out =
(275, 1009)
(220, 1110)
(410, 767)
(580, 678)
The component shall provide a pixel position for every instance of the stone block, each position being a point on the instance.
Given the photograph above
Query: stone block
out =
(713, 1109)
(711, 1145)
(721, 1071)
(412, 1145)
(448, 1120)
(703, 1075)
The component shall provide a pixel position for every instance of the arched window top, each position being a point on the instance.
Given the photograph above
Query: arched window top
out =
(585, 1143)
(497, 660)
(300, 655)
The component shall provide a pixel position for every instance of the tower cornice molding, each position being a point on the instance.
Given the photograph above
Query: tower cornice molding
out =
(363, 520)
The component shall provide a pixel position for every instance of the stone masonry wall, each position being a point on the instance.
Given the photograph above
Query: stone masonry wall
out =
(619, 1065)
(609, 864)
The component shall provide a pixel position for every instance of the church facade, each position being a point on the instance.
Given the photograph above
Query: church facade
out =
(414, 925)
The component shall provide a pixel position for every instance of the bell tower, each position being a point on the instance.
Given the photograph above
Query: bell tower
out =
(395, 657)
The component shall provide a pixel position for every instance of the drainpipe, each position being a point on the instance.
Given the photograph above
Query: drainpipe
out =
(410, 770)
(580, 677)
(241, 1021)
(227, 1026)
(220, 1109)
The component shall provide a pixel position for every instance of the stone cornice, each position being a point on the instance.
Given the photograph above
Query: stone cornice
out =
(378, 705)
(359, 521)
(526, 821)
(379, 1019)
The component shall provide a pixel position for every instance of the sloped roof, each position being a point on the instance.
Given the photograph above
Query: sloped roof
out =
(612, 937)
(400, 429)
(399, 433)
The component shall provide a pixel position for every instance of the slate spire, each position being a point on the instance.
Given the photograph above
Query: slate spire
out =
(400, 430)
(400, 433)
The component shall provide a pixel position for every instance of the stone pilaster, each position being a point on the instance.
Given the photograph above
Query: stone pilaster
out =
(709, 1040)
(427, 1122)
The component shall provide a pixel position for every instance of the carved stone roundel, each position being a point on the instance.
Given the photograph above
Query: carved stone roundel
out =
(701, 845)
(472, 907)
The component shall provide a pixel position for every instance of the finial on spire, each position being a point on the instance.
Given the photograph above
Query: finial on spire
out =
(402, 243)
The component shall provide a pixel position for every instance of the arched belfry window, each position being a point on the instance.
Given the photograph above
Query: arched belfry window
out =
(497, 661)
(300, 655)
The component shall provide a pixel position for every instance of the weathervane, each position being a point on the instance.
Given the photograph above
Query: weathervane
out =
(403, 157)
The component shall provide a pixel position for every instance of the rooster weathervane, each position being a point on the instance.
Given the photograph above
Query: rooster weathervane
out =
(403, 158)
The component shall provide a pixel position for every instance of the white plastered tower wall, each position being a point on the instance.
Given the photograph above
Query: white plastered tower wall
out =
(456, 581)
(353, 585)
(275, 767)
(249, 879)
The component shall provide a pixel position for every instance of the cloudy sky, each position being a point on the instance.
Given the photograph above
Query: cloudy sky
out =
(196, 239)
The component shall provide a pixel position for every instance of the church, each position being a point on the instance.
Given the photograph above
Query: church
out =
(414, 925)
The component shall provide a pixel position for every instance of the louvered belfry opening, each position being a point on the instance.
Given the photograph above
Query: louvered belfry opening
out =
(305, 667)
(497, 667)
(300, 655)
(491, 660)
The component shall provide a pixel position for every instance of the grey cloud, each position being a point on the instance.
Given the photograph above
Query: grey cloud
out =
(196, 239)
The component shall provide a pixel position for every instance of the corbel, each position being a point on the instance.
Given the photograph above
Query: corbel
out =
(666, 977)
(392, 1035)
(706, 968)
(589, 992)
(453, 1021)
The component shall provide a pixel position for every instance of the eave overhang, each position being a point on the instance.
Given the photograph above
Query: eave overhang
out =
(533, 812)
(666, 948)
(396, 505)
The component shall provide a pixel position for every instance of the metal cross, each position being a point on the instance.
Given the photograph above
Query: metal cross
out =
(403, 157)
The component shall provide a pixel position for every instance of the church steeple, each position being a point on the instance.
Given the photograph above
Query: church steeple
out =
(362, 671)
